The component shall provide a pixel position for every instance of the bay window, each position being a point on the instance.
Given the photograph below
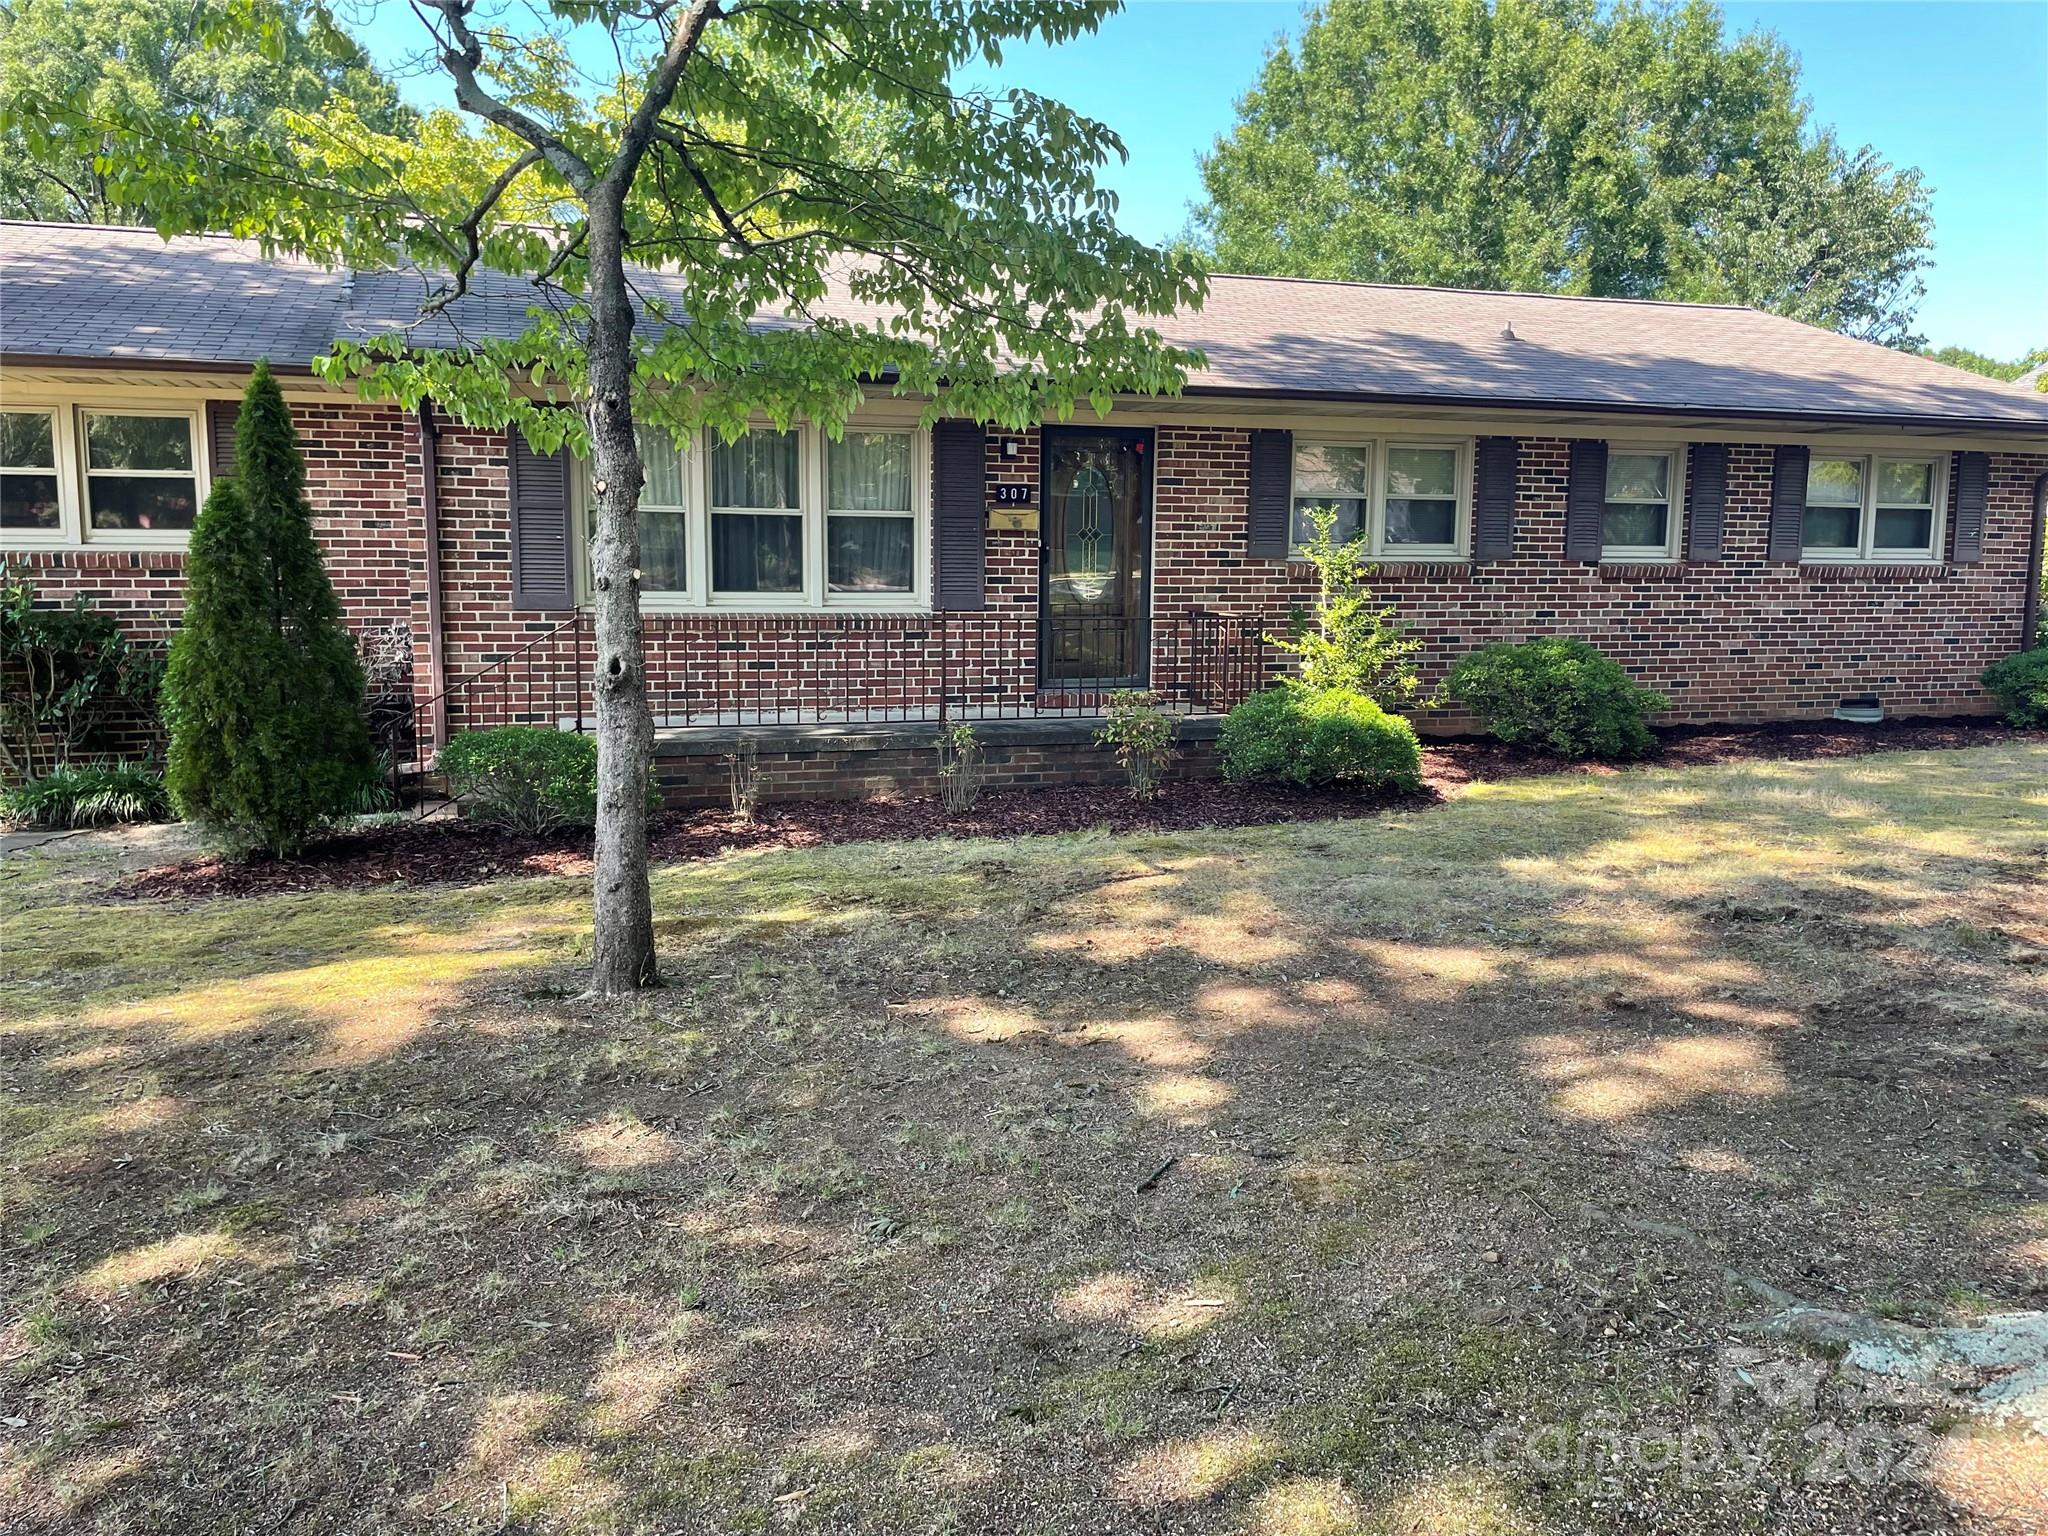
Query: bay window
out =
(1405, 499)
(1873, 507)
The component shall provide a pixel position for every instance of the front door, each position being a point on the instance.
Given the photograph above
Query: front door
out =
(1096, 495)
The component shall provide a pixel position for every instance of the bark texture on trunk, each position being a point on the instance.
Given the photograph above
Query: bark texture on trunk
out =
(622, 949)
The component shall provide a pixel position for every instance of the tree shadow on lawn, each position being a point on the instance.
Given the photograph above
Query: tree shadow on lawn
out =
(1477, 1117)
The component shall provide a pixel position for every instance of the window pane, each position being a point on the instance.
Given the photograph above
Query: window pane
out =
(1905, 484)
(869, 472)
(664, 466)
(1639, 477)
(152, 504)
(1635, 525)
(1420, 520)
(757, 554)
(28, 501)
(1831, 527)
(662, 564)
(1324, 469)
(137, 442)
(1422, 472)
(25, 439)
(868, 554)
(757, 471)
(1348, 511)
(1906, 528)
(1834, 483)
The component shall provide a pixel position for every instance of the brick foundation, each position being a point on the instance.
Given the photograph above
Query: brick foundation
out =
(694, 771)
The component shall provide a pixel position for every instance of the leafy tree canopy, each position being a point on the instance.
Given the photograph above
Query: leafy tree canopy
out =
(1632, 150)
(1990, 367)
(806, 152)
(116, 58)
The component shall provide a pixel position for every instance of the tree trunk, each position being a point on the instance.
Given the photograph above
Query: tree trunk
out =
(622, 950)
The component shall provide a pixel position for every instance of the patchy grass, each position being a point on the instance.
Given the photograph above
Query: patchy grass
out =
(1494, 1129)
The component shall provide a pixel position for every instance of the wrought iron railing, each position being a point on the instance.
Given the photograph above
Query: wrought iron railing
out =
(726, 669)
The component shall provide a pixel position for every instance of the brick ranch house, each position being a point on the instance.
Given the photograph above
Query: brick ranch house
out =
(1761, 519)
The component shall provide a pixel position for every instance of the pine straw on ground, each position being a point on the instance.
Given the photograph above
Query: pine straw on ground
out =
(450, 852)
(1407, 1174)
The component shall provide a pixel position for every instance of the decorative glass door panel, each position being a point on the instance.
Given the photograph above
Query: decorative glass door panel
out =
(1096, 531)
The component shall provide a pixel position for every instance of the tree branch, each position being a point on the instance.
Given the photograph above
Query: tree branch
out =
(462, 57)
(661, 89)
(458, 283)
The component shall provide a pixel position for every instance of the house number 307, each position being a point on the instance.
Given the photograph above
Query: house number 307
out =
(1013, 495)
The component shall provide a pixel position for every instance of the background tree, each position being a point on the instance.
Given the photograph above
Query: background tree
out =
(1566, 146)
(264, 696)
(1990, 367)
(765, 155)
(115, 57)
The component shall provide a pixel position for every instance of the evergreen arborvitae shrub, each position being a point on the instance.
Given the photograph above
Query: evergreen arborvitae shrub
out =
(264, 696)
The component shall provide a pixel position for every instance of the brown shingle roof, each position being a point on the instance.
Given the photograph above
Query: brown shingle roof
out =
(75, 291)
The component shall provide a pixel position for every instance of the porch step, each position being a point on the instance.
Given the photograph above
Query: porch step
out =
(896, 735)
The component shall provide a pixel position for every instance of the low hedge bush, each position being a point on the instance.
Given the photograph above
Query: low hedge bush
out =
(2021, 683)
(1559, 694)
(1296, 735)
(526, 777)
(71, 795)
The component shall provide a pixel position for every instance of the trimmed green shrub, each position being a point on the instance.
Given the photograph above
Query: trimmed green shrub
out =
(2021, 683)
(264, 696)
(77, 795)
(1560, 694)
(1297, 735)
(531, 778)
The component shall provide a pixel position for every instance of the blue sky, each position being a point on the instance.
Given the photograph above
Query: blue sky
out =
(1956, 87)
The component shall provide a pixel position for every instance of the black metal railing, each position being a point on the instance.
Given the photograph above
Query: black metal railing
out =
(731, 669)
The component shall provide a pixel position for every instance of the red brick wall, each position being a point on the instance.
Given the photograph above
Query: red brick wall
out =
(1739, 640)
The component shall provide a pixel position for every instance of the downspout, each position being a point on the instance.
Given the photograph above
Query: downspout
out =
(2030, 622)
(430, 528)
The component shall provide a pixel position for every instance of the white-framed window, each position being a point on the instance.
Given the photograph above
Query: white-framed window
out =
(103, 472)
(141, 471)
(30, 499)
(783, 520)
(870, 513)
(1881, 506)
(1644, 503)
(1407, 498)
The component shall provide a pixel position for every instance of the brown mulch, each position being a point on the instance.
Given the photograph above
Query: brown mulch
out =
(464, 853)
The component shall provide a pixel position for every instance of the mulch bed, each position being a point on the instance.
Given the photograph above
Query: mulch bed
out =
(463, 853)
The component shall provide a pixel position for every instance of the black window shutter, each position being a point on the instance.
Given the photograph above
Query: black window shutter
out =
(1788, 503)
(1585, 510)
(538, 488)
(1269, 524)
(960, 514)
(1493, 532)
(1706, 501)
(221, 416)
(1973, 485)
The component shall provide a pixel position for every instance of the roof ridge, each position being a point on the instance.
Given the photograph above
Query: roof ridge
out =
(1488, 293)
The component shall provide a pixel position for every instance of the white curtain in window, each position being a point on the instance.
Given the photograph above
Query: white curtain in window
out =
(870, 472)
(759, 470)
(664, 466)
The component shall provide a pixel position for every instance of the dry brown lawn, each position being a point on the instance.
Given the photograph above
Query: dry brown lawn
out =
(1430, 1173)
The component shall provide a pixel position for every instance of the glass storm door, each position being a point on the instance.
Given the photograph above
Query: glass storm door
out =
(1096, 531)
